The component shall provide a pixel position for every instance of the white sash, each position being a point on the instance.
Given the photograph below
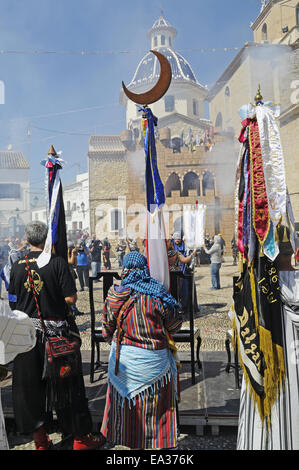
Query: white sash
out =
(45, 256)
(273, 163)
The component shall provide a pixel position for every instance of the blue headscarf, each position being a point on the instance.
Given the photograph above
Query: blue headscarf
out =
(136, 275)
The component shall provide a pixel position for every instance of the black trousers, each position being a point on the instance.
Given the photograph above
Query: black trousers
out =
(83, 276)
(29, 397)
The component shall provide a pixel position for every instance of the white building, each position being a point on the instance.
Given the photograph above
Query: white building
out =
(76, 203)
(182, 107)
(76, 206)
(14, 194)
(39, 213)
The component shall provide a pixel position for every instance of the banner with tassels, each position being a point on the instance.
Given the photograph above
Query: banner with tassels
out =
(261, 208)
(56, 241)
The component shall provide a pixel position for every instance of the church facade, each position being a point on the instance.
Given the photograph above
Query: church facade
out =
(271, 60)
(196, 160)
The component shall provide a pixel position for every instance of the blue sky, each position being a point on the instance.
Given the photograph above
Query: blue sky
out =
(43, 92)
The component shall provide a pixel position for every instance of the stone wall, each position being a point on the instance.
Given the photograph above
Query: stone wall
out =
(281, 14)
(116, 182)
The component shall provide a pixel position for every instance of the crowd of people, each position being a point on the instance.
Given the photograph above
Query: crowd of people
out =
(139, 319)
(89, 254)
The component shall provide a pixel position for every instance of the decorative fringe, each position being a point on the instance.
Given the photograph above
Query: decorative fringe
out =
(257, 400)
(274, 374)
(153, 388)
(58, 394)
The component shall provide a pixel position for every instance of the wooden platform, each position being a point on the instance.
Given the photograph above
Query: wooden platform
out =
(212, 401)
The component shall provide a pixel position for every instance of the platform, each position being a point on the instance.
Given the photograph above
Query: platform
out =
(212, 401)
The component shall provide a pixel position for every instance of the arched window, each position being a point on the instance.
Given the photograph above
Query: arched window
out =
(155, 41)
(116, 220)
(195, 108)
(297, 14)
(169, 103)
(227, 91)
(264, 32)
(191, 182)
(207, 182)
(162, 40)
(173, 183)
(219, 121)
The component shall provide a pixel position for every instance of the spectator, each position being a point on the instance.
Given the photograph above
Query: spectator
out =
(83, 265)
(132, 244)
(222, 243)
(121, 250)
(216, 259)
(95, 248)
(234, 251)
(181, 263)
(106, 254)
(72, 262)
(35, 398)
(16, 251)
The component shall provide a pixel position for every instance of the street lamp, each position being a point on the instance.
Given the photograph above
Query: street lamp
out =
(82, 205)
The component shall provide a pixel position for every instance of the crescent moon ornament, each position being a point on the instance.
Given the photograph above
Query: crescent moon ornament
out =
(159, 89)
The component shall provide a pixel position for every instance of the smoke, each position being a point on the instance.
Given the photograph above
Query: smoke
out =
(274, 68)
(224, 158)
(136, 162)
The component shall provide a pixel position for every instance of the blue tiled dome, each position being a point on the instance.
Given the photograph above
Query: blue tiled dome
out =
(148, 70)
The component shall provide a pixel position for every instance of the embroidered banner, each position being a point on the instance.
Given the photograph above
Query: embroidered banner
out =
(259, 200)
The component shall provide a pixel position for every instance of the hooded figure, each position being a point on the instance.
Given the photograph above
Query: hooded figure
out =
(138, 317)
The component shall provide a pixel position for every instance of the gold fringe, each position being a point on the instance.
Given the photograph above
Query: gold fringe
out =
(257, 400)
(275, 370)
(274, 373)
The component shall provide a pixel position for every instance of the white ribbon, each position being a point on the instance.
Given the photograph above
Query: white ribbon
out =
(45, 256)
(273, 164)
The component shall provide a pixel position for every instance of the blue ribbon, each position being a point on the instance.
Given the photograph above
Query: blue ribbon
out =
(154, 187)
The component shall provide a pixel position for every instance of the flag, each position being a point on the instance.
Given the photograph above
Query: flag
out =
(194, 225)
(182, 136)
(156, 247)
(56, 239)
(261, 210)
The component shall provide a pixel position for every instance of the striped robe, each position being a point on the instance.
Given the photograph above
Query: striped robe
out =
(284, 429)
(151, 422)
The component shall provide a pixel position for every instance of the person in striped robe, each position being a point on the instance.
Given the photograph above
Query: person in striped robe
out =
(140, 411)
(282, 432)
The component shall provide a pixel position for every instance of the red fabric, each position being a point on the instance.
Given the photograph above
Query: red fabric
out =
(41, 439)
(260, 209)
(88, 442)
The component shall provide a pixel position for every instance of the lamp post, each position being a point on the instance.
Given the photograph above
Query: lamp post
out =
(83, 209)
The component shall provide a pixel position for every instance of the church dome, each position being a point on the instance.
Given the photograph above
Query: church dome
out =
(148, 71)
